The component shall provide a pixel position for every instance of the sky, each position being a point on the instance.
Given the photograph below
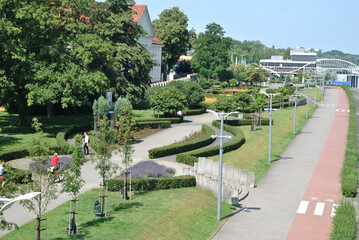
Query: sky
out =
(323, 24)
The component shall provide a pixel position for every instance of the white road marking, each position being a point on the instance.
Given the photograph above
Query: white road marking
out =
(319, 208)
(337, 110)
(303, 207)
(334, 209)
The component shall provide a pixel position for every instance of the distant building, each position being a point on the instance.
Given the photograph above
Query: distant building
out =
(149, 41)
(300, 58)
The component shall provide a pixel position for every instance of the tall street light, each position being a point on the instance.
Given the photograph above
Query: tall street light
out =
(306, 115)
(270, 126)
(221, 136)
(315, 94)
(295, 107)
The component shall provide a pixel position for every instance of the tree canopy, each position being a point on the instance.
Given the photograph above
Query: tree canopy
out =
(211, 53)
(171, 29)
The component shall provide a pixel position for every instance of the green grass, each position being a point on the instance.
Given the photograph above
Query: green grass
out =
(344, 224)
(253, 154)
(186, 213)
(25, 133)
(304, 91)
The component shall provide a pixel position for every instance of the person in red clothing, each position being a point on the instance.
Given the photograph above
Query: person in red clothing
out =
(54, 161)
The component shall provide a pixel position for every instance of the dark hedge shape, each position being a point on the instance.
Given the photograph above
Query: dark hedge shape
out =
(198, 111)
(184, 146)
(154, 184)
(156, 124)
(172, 120)
(191, 157)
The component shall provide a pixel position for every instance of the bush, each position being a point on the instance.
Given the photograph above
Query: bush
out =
(344, 222)
(184, 146)
(61, 141)
(172, 120)
(153, 124)
(20, 176)
(349, 173)
(242, 122)
(198, 111)
(154, 184)
(191, 157)
(146, 169)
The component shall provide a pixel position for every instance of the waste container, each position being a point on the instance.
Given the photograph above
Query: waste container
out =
(97, 208)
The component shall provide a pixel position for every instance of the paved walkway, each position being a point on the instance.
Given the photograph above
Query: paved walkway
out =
(269, 210)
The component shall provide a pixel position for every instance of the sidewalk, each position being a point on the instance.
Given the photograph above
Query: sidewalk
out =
(269, 210)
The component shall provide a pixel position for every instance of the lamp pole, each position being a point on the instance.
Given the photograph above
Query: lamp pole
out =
(306, 115)
(270, 127)
(221, 136)
(295, 107)
(315, 94)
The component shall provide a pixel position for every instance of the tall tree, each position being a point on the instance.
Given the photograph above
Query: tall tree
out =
(171, 29)
(211, 53)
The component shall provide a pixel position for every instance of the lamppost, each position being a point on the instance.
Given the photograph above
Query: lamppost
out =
(295, 107)
(306, 115)
(270, 126)
(221, 136)
(315, 93)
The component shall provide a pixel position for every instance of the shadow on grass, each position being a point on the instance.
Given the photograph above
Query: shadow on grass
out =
(8, 141)
(125, 206)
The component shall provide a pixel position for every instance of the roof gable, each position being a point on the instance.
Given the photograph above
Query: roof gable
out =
(142, 17)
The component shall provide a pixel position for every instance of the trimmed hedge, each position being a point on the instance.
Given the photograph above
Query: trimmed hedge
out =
(191, 157)
(20, 176)
(184, 146)
(172, 120)
(241, 122)
(154, 124)
(349, 173)
(344, 222)
(61, 141)
(198, 111)
(154, 184)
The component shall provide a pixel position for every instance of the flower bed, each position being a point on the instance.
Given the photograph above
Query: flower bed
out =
(67, 160)
(149, 169)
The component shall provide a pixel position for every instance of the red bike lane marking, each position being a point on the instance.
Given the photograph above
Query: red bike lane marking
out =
(324, 188)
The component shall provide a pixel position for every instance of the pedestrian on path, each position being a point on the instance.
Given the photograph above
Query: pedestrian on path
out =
(86, 144)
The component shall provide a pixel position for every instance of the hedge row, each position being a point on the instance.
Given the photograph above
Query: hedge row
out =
(184, 146)
(349, 173)
(198, 111)
(155, 124)
(191, 157)
(241, 122)
(344, 222)
(172, 120)
(153, 184)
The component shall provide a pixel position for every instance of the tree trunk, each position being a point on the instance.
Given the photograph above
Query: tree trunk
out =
(22, 114)
(50, 109)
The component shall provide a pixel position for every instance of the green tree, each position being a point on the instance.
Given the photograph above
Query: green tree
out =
(211, 53)
(169, 100)
(171, 29)
(73, 181)
(242, 100)
(192, 90)
(39, 152)
(256, 74)
(224, 104)
(238, 72)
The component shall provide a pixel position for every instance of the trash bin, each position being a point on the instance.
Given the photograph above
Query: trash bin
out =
(97, 208)
(72, 226)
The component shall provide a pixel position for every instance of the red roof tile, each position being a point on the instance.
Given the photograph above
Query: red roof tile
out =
(156, 41)
(139, 9)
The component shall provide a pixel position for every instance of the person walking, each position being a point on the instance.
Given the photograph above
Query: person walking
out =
(86, 144)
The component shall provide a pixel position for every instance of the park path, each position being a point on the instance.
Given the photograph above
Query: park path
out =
(177, 132)
(306, 171)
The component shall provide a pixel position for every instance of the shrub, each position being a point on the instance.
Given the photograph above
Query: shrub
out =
(197, 111)
(19, 175)
(184, 146)
(67, 160)
(191, 157)
(344, 222)
(149, 169)
(61, 141)
(172, 120)
(153, 124)
(153, 184)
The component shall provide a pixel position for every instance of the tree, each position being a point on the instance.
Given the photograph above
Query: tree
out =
(211, 53)
(39, 152)
(224, 104)
(242, 100)
(238, 72)
(73, 182)
(256, 74)
(168, 100)
(171, 29)
(192, 90)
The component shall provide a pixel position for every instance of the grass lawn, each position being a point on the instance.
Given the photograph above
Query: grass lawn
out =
(186, 213)
(253, 155)
(304, 91)
(25, 133)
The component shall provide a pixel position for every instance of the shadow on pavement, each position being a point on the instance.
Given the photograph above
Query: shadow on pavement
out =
(242, 209)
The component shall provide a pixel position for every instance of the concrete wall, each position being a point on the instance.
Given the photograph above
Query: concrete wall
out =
(235, 182)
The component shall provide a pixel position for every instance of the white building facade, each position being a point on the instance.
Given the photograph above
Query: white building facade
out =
(149, 41)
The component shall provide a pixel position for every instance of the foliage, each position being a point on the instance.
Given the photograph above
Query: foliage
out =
(103, 106)
(259, 101)
(192, 90)
(344, 222)
(184, 146)
(211, 53)
(171, 119)
(206, 83)
(154, 183)
(171, 29)
(349, 172)
(122, 105)
(145, 169)
(183, 66)
(168, 100)
(340, 55)
(224, 104)
(197, 111)
(242, 99)
(191, 157)
(152, 124)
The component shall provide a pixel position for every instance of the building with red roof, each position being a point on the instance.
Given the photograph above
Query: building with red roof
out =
(149, 41)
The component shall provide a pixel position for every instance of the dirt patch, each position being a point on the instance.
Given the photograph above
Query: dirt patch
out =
(235, 89)
(144, 133)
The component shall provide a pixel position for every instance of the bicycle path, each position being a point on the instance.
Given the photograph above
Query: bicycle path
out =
(306, 171)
